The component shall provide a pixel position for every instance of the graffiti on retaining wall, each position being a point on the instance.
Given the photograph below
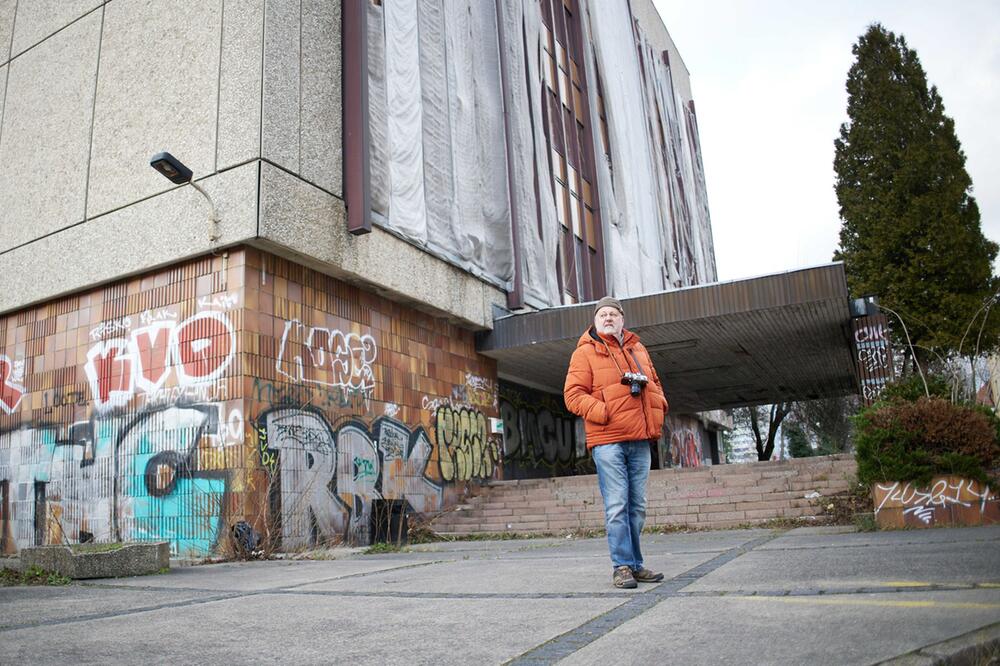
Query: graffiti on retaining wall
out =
(195, 352)
(161, 474)
(934, 504)
(328, 478)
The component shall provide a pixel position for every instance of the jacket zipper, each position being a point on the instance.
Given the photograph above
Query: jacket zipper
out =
(642, 402)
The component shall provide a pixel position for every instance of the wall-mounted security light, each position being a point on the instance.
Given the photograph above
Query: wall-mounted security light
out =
(176, 172)
(171, 168)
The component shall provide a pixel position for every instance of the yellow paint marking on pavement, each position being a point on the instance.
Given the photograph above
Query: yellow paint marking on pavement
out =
(829, 601)
(991, 585)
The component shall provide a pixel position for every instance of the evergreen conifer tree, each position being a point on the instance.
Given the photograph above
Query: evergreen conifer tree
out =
(910, 228)
(798, 443)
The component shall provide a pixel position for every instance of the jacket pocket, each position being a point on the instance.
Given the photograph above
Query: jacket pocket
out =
(615, 396)
(656, 416)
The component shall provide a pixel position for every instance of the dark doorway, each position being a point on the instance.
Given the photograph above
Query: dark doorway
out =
(388, 522)
(41, 513)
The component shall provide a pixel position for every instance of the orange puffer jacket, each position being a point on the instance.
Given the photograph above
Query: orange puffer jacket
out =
(594, 390)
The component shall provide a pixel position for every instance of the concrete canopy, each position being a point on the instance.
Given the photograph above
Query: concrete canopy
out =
(778, 337)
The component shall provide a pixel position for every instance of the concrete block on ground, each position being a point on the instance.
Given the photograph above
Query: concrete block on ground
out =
(132, 559)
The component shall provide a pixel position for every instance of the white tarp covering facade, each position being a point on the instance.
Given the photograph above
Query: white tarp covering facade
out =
(439, 172)
(655, 211)
(438, 160)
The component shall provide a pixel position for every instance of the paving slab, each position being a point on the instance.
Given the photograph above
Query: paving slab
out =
(311, 629)
(884, 539)
(886, 559)
(739, 596)
(259, 575)
(559, 574)
(846, 629)
(32, 605)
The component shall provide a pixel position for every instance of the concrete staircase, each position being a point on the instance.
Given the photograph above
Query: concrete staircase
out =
(715, 497)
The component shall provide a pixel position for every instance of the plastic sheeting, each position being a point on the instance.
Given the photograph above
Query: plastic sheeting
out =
(539, 241)
(404, 116)
(438, 153)
(438, 159)
(654, 182)
(630, 212)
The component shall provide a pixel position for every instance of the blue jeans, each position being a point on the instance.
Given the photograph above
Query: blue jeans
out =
(622, 470)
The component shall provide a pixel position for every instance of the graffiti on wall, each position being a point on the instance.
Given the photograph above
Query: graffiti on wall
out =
(143, 437)
(687, 448)
(327, 478)
(465, 448)
(947, 500)
(874, 355)
(194, 352)
(539, 433)
(11, 390)
(327, 357)
(285, 394)
(160, 474)
(476, 391)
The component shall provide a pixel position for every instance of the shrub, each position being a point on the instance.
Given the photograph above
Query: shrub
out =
(911, 387)
(899, 440)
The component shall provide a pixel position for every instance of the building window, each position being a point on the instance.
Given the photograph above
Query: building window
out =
(567, 116)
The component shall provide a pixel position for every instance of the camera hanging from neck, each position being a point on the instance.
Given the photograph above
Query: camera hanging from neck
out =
(635, 381)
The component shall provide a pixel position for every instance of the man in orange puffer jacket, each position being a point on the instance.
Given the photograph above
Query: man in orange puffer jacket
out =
(613, 386)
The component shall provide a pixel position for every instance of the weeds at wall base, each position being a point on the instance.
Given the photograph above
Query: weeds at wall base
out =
(32, 576)
(865, 522)
(381, 548)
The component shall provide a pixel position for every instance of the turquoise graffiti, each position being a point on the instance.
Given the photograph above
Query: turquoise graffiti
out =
(118, 478)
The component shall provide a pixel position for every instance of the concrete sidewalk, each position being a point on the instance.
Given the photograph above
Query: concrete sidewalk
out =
(743, 596)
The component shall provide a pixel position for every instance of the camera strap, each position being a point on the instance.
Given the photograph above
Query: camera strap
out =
(637, 364)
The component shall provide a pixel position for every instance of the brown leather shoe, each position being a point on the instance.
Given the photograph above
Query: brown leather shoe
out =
(644, 575)
(622, 577)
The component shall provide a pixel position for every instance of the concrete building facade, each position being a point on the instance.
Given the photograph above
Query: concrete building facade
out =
(290, 379)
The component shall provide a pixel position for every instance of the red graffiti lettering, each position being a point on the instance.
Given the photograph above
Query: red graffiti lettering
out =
(199, 350)
(150, 349)
(109, 369)
(10, 393)
(204, 346)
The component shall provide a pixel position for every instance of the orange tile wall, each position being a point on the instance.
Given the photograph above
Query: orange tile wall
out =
(235, 392)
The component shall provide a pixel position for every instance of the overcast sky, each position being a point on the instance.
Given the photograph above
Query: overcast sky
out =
(768, 83)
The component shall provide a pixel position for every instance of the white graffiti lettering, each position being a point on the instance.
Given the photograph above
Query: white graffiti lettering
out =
(873, 358)
(942, 494)
(219, 302)
(327, 357)
(151, 316)
(875, 333)
(114, 326)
